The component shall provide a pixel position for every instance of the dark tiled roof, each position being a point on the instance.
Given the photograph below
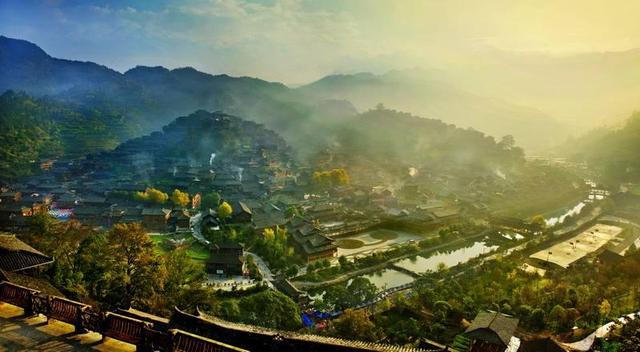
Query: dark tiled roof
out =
(36, 283)
(493, 327)
(16, 255)
(541, 345)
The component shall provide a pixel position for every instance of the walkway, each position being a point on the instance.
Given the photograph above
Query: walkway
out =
(262, 266)
(20, 333)
(603, 331)
(194, 223)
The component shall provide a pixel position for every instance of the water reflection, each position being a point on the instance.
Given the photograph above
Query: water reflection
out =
(420, 264)
(388, 278)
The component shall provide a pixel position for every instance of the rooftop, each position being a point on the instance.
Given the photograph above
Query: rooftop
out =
(493, 327)
(16, 255)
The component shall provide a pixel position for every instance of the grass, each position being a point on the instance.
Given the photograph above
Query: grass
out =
(349, 243)
(196, 251)
(527, 205)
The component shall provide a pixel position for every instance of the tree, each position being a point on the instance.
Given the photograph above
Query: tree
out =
(361, 290)
(224, 211)
(538, 222)
(557, 317)
(355, 324)
(60, 240)
(343, 261)
(210, 201)
(537, 319)
(335, 177)
(604, 309)
(151, 195)
(229, 310)
(182, 273)
(179, 198)
(134, 264)
(271, 309)
(507, 142)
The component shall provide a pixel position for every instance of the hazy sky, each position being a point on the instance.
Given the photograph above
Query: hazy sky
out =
(296, 41)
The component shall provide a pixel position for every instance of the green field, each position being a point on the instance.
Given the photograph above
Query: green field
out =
(196, 251)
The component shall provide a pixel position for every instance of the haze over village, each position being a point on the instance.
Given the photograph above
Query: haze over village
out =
(234, 175)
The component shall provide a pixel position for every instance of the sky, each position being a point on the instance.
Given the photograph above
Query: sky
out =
(298, 41)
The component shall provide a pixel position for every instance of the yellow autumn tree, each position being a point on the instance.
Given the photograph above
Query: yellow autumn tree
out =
(179, 198)
(224, 210)
(151, 195)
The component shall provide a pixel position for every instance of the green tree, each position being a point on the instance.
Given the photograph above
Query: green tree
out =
(270, 309)
(537, 320)
(361, 290)
(355, 324)
(557, 318)
(210, 201)
(538, 222)
(182, 273)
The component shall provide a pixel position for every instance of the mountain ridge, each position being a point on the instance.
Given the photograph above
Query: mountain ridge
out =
(153, 95)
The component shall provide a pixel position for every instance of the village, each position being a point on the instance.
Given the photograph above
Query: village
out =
(222, 197)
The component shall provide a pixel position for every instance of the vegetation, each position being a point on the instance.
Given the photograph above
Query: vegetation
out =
(609, 152)
(179, 198)
(210, 201)
(268, 308)
(224, 211)
(342, 296)
(335, 177)
(118, 268)
(582, 296)
(152, 195)
(36, 130)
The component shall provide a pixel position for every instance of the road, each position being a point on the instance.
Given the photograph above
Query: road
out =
(262, 266)
(194, 223)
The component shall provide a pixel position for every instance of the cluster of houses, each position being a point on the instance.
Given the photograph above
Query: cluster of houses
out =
(98, 189)
(247, 164)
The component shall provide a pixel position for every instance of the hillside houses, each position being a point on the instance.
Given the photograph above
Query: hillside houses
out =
(237, 158)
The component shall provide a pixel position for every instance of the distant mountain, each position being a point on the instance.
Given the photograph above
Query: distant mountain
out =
(584, 90)
(412, 91)
(26, 67)
(150, 97)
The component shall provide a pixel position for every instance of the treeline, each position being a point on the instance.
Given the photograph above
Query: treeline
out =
(32, 130)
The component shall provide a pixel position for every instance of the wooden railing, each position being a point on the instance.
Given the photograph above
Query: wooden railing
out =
(140, 333)
(151, 333)
(67, 311)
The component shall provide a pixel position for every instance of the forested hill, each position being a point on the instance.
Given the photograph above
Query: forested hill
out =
(397, 139)
(615, 153)
(34, 130)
